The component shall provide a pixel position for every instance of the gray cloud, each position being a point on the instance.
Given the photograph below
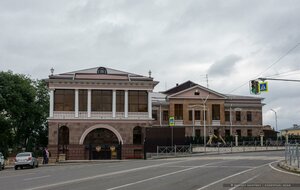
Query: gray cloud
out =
(224, 67)
(177, 40)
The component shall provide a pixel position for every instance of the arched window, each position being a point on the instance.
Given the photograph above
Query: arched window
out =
(102, 70)
(63, 135)
(137, 135)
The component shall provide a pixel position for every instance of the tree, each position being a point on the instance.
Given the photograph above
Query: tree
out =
(23, 111)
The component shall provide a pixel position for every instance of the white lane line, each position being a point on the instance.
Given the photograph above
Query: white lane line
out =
(99, 176)
(236, 174)
(33, 178)
(16, 175)
(160, 176)
(244, 182)
(282, 171)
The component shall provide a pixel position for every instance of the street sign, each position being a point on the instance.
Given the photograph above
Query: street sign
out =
(171, 121)
(263, 87)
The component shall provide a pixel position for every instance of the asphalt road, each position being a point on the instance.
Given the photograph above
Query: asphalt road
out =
(230, 171)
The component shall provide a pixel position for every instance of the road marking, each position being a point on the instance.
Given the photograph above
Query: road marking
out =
(33, 178)
(244, 182)
(16, 175)
(99, 176)
(236, 174)
(164, 175)
(282, 171)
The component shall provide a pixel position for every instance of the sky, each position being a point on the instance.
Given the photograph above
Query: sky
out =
(231, 42)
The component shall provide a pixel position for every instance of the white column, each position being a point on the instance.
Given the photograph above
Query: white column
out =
(89, 102)
(126, 104)
(76, 103)
(149, 105)
(114, 103)
(51, 111)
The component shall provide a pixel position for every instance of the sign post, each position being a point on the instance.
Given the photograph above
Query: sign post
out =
(171, 124)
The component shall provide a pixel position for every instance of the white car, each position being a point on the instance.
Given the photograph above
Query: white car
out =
(1, 161)
(26, 159)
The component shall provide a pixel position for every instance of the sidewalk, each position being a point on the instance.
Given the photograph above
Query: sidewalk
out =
(284, 165)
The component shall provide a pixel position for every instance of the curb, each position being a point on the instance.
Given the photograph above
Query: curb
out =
(289, 168)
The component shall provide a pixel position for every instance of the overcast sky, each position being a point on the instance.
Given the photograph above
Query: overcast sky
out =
(232, 41)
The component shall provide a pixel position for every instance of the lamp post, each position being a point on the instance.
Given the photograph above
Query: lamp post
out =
(275, 118)
(204, 119)
(275, 122)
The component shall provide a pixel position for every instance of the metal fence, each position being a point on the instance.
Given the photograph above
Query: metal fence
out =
(292, 155)
(173, 150)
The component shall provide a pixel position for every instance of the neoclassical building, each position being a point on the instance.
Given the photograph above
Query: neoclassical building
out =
(102, 113)
(225, 115)
(99, 113)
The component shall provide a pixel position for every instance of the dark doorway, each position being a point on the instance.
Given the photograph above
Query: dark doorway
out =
(102, 144)
(63, 140)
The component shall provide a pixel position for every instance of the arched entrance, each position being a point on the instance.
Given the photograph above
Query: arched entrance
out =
(63, 141)
(102, 143)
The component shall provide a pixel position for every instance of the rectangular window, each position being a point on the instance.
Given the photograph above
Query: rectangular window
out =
(227, 115)
(64, 100)
(249, 133)
(120, 95)
(138, 101)
(102, 100)
(178, 112)
(227, 132)
(216, 112)
(197, 114)
(166, 115)
(82, 100)
(249, 116)
(239, 132)
(190, 115)
(154, 114)
(198, 132)
(238, 116)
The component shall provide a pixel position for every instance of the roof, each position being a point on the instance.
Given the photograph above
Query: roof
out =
(295, 127)
(181, 87)
(101, 73)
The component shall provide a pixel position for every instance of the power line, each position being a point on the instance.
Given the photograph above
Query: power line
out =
(279, 59)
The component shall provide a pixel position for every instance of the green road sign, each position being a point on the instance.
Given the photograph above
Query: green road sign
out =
(171, 121)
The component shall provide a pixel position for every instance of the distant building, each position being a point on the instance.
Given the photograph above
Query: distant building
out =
(225, 115)
(293, 131)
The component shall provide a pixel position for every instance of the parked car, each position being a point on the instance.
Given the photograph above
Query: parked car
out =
(1, 161)
(26, 159)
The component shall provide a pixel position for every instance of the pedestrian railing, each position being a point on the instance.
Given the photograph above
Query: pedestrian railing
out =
(173, 150)
(292, 155)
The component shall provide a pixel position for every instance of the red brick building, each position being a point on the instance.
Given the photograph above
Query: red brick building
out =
(102, 113)
(225, 115)
(99, 113)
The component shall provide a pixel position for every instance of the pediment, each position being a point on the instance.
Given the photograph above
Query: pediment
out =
(197, 92)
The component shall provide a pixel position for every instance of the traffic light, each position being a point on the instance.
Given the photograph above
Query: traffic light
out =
(254, 87)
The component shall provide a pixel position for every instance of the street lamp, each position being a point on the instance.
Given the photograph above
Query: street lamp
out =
(275, 118)
(204, 122)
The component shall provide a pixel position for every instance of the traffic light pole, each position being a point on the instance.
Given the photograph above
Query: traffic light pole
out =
(289, 80)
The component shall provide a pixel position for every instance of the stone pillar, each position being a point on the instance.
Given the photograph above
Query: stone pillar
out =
(149, 105)
(236, 140)
(261, 140)
(51, 111)
(114, 103)
(89, 102)
(286, 139)
(126, 104)
(76, 102)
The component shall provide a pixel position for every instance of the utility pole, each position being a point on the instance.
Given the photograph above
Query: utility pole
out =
(287, 80)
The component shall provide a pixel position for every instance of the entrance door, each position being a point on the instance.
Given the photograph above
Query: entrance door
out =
(102, 144)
